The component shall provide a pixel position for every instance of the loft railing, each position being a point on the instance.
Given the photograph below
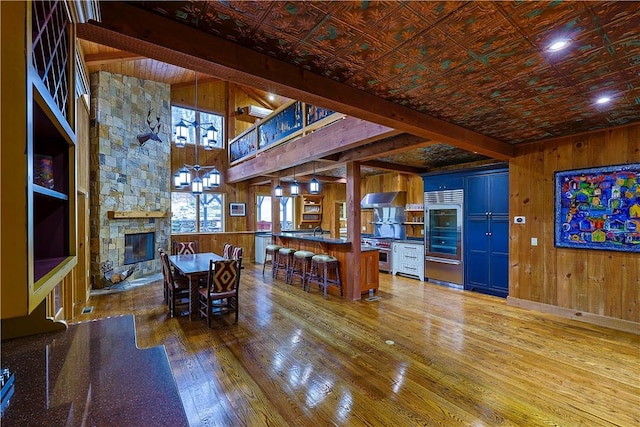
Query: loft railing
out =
(291, 121)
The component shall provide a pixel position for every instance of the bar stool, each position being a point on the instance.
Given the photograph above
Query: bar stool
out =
(321, 265)
(301, 267)
(271, 251)
(284, 261)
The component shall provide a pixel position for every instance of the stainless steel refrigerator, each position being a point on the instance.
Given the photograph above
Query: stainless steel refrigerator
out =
(443, 237)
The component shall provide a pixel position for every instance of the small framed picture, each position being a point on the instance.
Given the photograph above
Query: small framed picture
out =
(237, 209)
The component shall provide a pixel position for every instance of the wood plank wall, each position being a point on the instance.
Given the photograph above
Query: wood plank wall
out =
(604, 283)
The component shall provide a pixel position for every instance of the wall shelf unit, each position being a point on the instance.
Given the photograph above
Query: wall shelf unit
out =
(311, 216)
(414, 222)
(39, 225)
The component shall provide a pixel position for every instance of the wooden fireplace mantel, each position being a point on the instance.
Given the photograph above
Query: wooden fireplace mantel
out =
(136, 214)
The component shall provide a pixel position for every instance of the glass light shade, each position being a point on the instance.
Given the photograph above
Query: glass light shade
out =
(314, 186)
(177, 181)
(182, 134)
(206, 178)
(277, 191)
(185, 176)
(196, 185)
(295, 189)
(214, 178)
(210, 138)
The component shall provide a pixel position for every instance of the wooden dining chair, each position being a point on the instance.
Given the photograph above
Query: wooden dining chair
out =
(177, 287)
(227, 251)
(221, 294)
(185, 248)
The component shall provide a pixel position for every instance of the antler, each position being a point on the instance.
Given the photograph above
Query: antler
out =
(154, 128)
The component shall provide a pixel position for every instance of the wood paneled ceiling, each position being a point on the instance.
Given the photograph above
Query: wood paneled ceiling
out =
(473, 77)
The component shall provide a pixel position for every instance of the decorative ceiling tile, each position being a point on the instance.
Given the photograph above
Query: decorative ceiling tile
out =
(481, 65)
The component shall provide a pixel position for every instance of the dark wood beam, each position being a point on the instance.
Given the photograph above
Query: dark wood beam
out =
(341, 135)
(133, 29)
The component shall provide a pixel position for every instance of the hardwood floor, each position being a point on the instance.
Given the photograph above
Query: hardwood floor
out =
(421, 355)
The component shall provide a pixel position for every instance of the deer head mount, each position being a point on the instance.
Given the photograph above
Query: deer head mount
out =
(154, 126)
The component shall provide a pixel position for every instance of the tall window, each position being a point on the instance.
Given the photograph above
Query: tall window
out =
(287, 212)
(201, 214)
(264, 217)
(204, 120)
(263, 213)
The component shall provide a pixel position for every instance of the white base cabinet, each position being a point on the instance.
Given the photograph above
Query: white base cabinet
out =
(408, 259)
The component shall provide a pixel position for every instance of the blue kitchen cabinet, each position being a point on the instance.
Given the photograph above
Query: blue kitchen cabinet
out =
(487, 233)
(443, 182)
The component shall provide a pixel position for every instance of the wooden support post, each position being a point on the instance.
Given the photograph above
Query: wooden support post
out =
(353, 269)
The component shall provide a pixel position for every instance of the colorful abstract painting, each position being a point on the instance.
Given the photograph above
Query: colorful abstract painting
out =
(598, 208)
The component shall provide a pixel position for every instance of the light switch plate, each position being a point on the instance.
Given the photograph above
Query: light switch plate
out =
(534, 241)
(519, 220)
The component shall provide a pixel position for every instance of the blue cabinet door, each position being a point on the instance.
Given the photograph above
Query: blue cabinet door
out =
(499, 259)
(499, 194)
(443, 182)
(477, 254)
(487, 233)
(477, 195)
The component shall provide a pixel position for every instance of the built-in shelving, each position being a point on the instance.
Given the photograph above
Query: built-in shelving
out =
(311, 210)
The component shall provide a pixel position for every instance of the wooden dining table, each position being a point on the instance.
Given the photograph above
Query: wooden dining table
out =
(194, 267)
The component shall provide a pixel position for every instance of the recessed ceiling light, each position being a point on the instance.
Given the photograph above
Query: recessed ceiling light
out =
(558, 45)
(603, 100)
(271, 97)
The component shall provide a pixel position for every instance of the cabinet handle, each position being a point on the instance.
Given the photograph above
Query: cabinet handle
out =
(486, 214)
(486, 234)
(489, 234)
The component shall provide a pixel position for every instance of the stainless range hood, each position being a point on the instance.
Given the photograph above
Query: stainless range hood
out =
(392, 199)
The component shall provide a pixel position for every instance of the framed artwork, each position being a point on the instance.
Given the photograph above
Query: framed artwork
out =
(598, 208)
(237, 209)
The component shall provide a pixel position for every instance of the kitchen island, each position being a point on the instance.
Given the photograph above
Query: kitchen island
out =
(339, 248)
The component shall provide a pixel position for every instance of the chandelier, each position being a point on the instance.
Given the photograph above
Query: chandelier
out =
(211, 176)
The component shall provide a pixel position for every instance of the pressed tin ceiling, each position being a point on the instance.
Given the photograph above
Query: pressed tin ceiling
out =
(483, 66)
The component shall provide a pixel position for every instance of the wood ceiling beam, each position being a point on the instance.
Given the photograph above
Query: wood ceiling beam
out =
(394, 145)
(133, 29)
(394, 167)
(111, 57)
(341, 135)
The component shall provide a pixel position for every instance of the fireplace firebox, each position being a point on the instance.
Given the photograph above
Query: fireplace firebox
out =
(139, 247)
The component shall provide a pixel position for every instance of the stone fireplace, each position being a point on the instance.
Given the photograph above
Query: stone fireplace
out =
(128, 180)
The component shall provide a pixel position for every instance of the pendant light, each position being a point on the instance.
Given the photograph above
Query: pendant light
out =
(295, 188)
(314, 184)
(211, 175)
(277, 191)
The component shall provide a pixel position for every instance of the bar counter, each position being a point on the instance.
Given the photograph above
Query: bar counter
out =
(338, 248)
(90, 374)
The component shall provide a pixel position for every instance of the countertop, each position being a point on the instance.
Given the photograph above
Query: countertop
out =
(91, 374)
(318, 238)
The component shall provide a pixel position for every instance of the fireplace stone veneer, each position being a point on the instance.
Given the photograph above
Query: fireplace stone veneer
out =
(125, 176)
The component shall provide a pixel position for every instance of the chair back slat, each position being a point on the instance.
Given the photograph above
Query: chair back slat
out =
(185, 248)
(224, 277)
(237, 253)
(227, 251)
